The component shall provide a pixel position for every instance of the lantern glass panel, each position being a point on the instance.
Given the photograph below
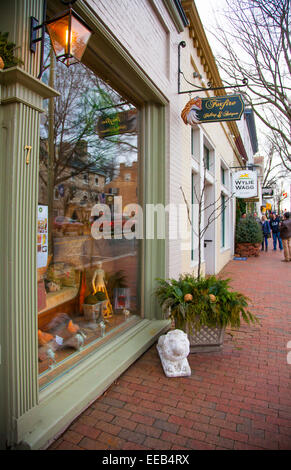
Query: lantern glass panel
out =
(58, 31)
(69, 38)
(80, 36)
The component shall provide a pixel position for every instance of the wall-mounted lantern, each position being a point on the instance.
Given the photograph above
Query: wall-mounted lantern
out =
(69, 35)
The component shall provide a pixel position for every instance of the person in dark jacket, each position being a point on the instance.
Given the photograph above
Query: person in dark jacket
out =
(266, 232)
(285, 233)
(274, 224)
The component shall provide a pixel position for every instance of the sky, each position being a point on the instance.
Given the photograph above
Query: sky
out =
(209, 11)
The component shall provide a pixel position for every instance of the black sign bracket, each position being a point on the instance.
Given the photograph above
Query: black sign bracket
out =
(196, 88)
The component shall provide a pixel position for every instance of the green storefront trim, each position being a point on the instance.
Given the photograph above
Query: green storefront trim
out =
(62, 401)
(31, 418)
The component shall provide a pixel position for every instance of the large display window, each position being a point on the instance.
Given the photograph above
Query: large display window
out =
(87, 251)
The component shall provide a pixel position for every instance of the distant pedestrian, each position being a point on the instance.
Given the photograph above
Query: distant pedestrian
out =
(275, 227)
(257, 219)
(285, 232)
(266, 232)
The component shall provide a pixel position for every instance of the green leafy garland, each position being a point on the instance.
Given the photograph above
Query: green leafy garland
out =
(205, 301)
(7, 50)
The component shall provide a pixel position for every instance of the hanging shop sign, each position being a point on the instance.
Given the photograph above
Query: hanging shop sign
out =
(117, 123)
(267, 192)
(268, 206)
(284, 195)
(213, 109)
(245, 184)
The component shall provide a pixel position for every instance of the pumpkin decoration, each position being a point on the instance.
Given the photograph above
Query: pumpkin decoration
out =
(43, 338)
(212, 298)
(1, 63)
(188, 297)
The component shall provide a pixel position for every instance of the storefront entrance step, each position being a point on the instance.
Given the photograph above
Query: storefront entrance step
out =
(62, 401)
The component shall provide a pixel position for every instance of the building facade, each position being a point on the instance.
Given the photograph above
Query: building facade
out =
(56, 356)
(212, 152)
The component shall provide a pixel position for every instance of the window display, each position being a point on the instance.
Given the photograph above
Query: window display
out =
(88, 285)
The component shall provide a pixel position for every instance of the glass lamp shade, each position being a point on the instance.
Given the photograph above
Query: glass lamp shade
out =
(69, 37)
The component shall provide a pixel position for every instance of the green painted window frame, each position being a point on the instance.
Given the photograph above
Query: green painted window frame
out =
(206, 157)
(192, 142)
(223, 171)
(33, 417)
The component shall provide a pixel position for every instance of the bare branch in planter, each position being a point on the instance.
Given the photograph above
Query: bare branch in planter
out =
(214, 214)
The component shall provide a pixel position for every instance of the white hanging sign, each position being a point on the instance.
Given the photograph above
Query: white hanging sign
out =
(245, 184)
(42, 236)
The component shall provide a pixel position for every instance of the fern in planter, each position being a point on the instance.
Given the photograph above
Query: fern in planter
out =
(203, 302)
(248, 231)
(7, 50)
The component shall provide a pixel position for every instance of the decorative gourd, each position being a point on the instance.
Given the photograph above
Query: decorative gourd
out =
(188, 297)
(100, 296)
(91, 300)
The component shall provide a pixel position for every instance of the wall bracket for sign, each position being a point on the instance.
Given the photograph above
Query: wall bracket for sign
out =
(198, 89)
(250, 166)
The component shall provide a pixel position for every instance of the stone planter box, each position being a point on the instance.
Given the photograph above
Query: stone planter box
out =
(206, 339)
(248, 249)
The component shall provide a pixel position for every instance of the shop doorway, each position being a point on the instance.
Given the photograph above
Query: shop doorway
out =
(209, 236)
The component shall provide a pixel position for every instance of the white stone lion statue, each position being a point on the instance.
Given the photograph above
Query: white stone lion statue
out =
(173, 349)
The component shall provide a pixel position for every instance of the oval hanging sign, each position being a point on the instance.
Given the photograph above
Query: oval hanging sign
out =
(214, 109)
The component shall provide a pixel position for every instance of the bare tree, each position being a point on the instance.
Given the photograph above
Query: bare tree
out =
(207, 214)
(70, 144)
(257, 46)
(274, 170)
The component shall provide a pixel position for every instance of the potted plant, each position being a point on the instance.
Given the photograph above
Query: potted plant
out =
(7, 50)
(248, 237)
(203, 308)
(93, 306)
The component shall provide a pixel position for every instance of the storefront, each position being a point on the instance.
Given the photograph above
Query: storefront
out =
(76, 310)
(85, 150)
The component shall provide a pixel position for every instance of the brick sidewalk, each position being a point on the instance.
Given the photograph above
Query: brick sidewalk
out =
(239, 398)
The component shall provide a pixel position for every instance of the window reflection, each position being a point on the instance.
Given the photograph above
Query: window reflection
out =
(87, 287)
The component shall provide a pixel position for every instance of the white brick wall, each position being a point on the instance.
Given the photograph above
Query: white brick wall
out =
(146, 31)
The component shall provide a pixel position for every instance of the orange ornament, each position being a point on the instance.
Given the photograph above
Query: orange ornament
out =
(188, 297)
